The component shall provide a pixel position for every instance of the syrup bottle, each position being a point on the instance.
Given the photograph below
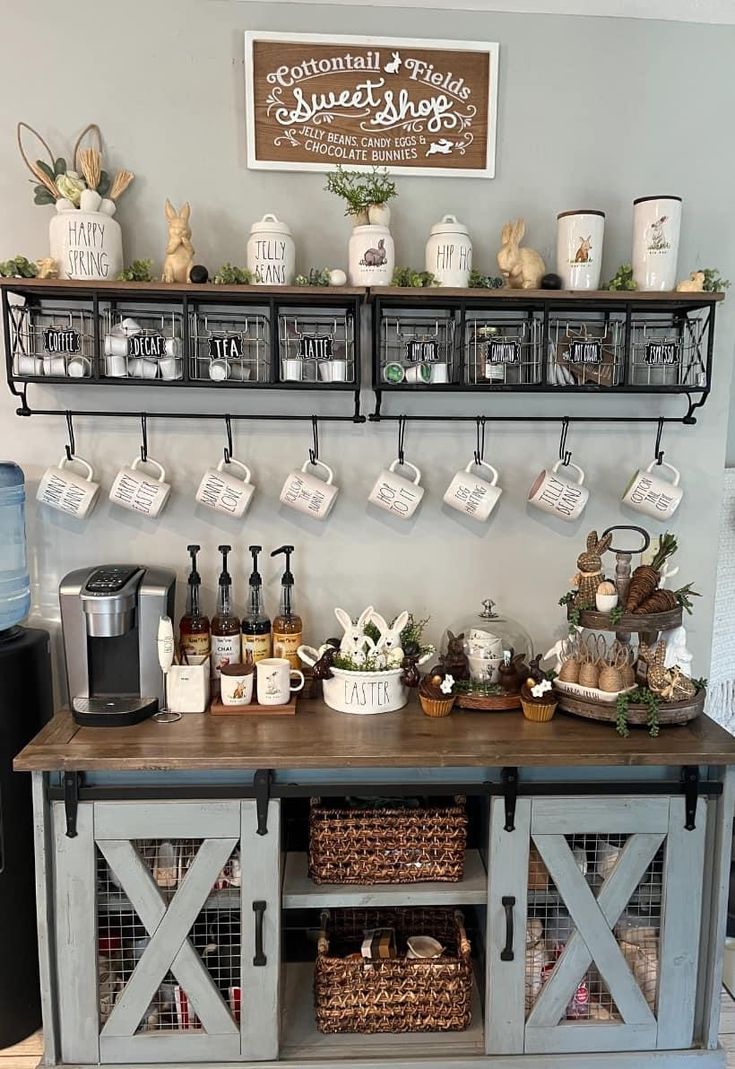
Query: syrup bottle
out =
(194, 625)
(225, 625)
(256, 627)
(287, 626)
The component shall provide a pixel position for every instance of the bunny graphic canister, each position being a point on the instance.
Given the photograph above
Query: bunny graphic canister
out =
(579, 236)
(271, 252)
(372, 257)
(449, 253)
(656, 226)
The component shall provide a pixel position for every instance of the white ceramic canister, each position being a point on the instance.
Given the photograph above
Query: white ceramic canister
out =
(579, 236)
(271, 252)
(656, 226)
(86, 245)
(449, 252)
(372, 256)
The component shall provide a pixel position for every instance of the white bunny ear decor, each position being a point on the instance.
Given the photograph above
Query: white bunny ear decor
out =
(354, 642)
(521, 268)
(388, 645)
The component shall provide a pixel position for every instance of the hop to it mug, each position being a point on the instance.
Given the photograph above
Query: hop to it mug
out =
(67, 491)
(224, 492)
(396, 493)
(309, 494)
(139, 492)
(652, 495)
(557, 495)
(473, 495)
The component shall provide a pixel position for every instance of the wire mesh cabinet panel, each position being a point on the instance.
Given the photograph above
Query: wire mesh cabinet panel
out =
(594, 914)
(168, 936)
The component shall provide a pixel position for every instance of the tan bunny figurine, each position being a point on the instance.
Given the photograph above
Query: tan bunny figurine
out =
(590, 573)
(521, 268)
(179, 250)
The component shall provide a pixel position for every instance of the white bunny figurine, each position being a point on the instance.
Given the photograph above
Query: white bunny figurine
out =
(521, 268)
(388, 645)
(355, 643)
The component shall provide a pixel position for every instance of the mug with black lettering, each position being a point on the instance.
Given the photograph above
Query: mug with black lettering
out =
(397, 494)
(308, 493)
(558, 495)
(651, 494)
(140, 492)
(227, 493)
(473, 494)
(63, 489)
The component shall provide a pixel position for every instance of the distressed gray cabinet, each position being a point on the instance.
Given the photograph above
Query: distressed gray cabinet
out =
(169, 947)
(594, 925)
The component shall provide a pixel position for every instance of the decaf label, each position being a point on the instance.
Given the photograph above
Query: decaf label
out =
(61, 341)
(225, 346)
(415, 106)
(585, 352)
(315, 347)
(422, 352)
(503, 352)
(661, 354)
(147, 345)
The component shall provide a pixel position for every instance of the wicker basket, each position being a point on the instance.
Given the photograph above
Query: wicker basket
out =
(387, 845)
(400, 994)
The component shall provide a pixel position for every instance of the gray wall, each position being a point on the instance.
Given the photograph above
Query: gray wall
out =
(592, 113)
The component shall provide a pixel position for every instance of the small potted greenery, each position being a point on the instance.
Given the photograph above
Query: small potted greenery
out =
(366, 196)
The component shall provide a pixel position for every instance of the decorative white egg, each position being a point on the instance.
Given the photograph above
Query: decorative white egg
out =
(337, 277)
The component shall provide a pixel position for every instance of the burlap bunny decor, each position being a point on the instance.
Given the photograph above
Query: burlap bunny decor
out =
(590, 573)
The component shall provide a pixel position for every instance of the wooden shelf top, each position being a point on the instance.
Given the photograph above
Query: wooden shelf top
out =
(319, 738)
(59, 287)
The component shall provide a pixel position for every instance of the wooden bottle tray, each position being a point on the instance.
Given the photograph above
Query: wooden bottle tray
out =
(217, 708)
(630, 622)
(488, 703)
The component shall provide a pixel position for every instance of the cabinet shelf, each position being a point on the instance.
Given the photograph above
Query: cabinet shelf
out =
(299, 892)
(226, 899)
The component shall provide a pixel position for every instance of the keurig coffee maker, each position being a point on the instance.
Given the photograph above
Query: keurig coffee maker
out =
(110, 618)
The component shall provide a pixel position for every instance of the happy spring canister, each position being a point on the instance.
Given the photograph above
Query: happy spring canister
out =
(449, 252)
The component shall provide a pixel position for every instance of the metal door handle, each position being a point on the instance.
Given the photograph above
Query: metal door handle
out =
(260, 958)
(507, 953)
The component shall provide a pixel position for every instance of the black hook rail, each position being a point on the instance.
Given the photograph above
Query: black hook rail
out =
(101, 413)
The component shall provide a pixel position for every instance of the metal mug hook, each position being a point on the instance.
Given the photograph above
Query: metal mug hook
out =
(480, 440)
(565, 455)
(401, 438)
(71, 447)
(144, 437)
(658, 451)
(228, 432)
(314, 451)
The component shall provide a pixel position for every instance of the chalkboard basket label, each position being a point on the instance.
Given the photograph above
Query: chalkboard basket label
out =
(315, 347)
(662, 354)
(56, 340)
(225, 347)
(503, 352)
(422, 352)
(147, 344)
(585, 352)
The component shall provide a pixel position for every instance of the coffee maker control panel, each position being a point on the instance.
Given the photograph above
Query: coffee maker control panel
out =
(109, 580)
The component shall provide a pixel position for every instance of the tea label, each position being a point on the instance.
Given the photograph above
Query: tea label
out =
(315, 347)
(422, 352)
(661, 354)
(503, 352)
(61, 341)
(225, 347)
(585, 352)
(142, 345)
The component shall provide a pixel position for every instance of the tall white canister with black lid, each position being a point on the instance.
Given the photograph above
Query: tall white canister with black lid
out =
(449, 252)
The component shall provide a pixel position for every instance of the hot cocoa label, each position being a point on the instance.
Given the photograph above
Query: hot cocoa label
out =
(61, 341)
(315, 347)
(661, 354)
(585, 352)
(142, 345)
(225, 346)
(503, 352)
(422, 352)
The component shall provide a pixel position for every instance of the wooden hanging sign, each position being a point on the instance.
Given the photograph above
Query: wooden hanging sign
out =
(414, 106)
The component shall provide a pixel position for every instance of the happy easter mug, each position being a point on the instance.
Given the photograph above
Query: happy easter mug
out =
(138, 491)
(225, 492)
(396, 493)
(309, 494)
(653, 495)
(68, 491)
(558, 495)
(472, 494)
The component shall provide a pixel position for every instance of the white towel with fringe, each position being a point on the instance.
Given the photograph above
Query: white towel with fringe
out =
(721, 690)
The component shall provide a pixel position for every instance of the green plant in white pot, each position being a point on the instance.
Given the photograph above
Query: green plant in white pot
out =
(371, 256)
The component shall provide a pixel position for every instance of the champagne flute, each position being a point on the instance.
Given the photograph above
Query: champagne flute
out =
(166, 647)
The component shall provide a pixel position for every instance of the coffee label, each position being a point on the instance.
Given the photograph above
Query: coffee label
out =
(286, 646)
(61, 341)
(661, 354)
(225, 650)
(422, 352)
(315, 347)
(585, 352)
(503, 352)
(225, 347)
(259, 646)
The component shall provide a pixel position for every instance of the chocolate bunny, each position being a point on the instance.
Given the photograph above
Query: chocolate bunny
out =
(590, 573)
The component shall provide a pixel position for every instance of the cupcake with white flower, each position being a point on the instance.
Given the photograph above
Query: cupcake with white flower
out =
(538, 699)
(436, 694)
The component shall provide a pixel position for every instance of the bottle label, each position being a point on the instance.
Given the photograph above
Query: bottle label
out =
(286, 646)
(196, 645)
(225, 650)
(258, 645)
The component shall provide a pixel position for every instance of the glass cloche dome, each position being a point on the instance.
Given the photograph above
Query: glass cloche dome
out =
(487, 639)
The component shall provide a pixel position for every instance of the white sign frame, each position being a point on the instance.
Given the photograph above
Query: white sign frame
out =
(490, 47)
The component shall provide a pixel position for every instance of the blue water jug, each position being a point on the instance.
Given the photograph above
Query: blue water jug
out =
(15, 586)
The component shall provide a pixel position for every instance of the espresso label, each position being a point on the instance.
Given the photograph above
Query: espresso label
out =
(259, 646)
(141, 345)
(61, 341)
(315, 347)
(661, 354)
(225, 650)
(585, 352)
(422, 352)
(225, 346)
(503, 352)
(286, 646)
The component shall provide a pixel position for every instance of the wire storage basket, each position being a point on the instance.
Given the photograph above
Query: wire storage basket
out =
(141, 343)
(587, 349)
(502, 349)
(668, 350)
(230, 345)
(51, 339)
(417, 348)
(409, 843)
(397, 994)
(316, 347)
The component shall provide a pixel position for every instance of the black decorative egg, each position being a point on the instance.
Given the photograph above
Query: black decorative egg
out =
(551, 281)
(199, 274)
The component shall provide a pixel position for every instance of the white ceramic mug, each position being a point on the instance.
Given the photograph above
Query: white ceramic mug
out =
(395, 493)
(236, 684)
(225, 492)
(473, 495)
(652, 495)
(579, 237)
(558, 495)
(309, 494)
(139, 492)
(67, 491)
(275, 676)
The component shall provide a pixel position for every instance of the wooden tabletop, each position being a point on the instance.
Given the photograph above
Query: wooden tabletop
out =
(319, 738)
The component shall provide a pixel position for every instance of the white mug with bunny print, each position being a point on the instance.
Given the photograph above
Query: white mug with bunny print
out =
(652, 495)
(397, 494)
(224, 492)
(138, 491)
(67, 491)
(558, 495)
(473, 495)
(309, 494)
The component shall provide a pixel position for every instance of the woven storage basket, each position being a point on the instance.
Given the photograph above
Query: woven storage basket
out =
(400, 994)
(400, 845)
